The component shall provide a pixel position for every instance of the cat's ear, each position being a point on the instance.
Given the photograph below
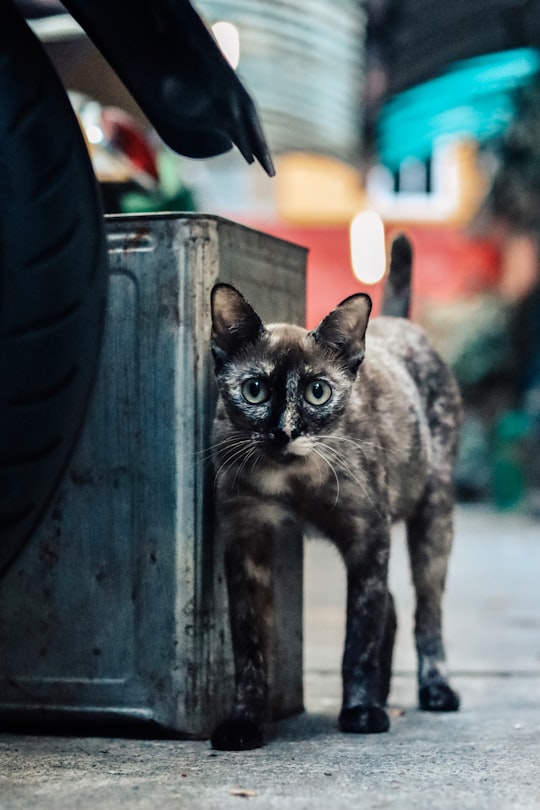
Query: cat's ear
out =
(344, 330)
(234, 322)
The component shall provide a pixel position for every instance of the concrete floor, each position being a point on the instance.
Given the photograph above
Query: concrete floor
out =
(485, 756)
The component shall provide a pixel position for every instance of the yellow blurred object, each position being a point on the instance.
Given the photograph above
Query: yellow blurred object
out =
(473, 183)
(313, 189)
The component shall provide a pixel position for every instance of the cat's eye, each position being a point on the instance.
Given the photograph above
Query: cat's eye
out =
(255, 391)
(317, 392)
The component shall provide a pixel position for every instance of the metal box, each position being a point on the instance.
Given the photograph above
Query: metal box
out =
(116, 612)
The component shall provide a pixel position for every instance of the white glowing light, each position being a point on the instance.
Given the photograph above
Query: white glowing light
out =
(228, 40)
(94, 133)
(368, 253)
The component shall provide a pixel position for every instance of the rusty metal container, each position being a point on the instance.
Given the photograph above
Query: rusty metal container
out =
(115, 615)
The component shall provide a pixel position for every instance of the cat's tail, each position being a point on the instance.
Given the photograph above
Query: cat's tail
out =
(397, 289)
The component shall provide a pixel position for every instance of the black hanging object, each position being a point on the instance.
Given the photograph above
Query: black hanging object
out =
(172, 65)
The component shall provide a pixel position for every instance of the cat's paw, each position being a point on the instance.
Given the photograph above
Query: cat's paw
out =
(237, 734)
(364, 720)
(438, 697)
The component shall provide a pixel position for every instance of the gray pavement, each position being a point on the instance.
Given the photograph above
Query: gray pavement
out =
(485, 756)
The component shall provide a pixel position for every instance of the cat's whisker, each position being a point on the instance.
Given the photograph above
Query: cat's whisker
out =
(209, 451)
(361, 444)
(234, 447)
(316, 457)
(237, 450)
(253, 452)
(232, 437)
(338, 459)
(239, 453)
(202, 456)
(258, 459)
(317, 450)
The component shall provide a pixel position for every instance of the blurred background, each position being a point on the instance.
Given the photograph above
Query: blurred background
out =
(382, 116)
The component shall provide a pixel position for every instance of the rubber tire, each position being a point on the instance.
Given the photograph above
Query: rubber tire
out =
(53, 277)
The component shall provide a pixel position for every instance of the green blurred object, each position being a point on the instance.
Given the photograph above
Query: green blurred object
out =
(171, 194)
(509, 471)
(473, 465)
(134, 202)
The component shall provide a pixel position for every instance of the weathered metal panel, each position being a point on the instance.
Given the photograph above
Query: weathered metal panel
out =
(116, 612)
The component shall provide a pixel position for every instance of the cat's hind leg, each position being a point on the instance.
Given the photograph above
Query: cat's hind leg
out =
(429, 538)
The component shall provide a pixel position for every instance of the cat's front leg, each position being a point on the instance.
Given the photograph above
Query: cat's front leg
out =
(249, 532)
(248, 572)
(368, 645)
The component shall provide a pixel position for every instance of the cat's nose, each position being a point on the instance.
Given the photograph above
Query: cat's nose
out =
(283, 437)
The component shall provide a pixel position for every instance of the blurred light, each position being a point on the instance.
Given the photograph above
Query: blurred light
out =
(368, 254)
(94, 134)
(228, 40)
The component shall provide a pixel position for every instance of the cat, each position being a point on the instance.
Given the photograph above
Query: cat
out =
(346, 429)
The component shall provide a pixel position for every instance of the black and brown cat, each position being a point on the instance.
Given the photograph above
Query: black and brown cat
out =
(344, 429)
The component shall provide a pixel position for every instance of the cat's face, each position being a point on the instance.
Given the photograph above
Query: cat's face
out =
(281, 385)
